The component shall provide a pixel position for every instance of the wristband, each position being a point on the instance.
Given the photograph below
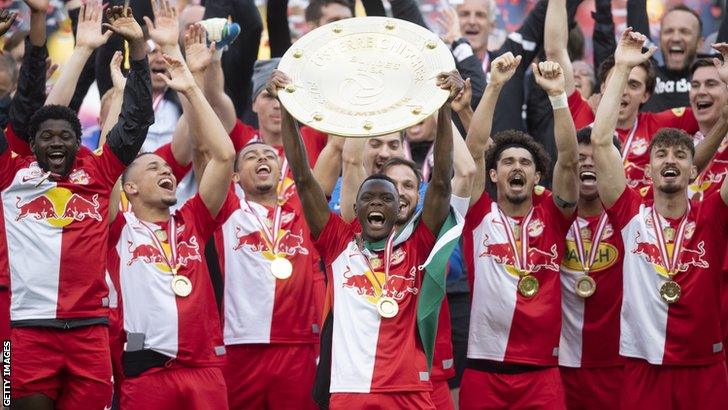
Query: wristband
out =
(461, 49)
(561, 203)
(559, 101)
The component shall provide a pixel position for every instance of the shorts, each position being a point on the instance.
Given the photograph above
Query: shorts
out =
(440, 395)
(275, 376)
(540, 389)
(381, 401)
(70, 366)
(592, 388)
(175, 387)
(647, 386)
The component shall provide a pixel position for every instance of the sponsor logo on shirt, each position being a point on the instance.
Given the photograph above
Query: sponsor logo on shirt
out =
(607, 256)
(79, 177)
(291, 244)
(148, 253)
(537, 259)
(689, 257)
(59, 207)
(639, 147)
(368, 284)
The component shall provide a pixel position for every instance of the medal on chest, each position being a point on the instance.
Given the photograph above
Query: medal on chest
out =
(527, 283)
(181, 285)
(585, 285)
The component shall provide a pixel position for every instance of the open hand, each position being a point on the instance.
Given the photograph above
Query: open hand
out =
(179, 79)
(164, 30)
(629, 49)
(88, 32)
(503, 68)
(117, 78)
(197, 54)
(122, 22)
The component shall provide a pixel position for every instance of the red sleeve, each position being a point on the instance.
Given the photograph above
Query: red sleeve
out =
(424, 241)
(622, 211)
(315, 142)
(681, 118)
(178, 170)
(477, 212)
(554, 215)
(334, 238)
(195, 210)
(231, 204)
(241, 134)
(717, 211)
(581, 112)
(17, 144)
(108, 165)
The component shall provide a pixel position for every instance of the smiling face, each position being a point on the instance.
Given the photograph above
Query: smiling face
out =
(680, 38)
(150, 182)
(157, 65)
(376, 207)
(587, 173)
(708, 95)
(515, 174)
(55, 146)
(379, 149)
(258, 169)
(407, 187)
(269, 113)
(671, 168)
(476, 23)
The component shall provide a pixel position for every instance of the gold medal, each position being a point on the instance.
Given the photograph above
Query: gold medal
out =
(528, 286)
(670, 291)
(387, 307)
(585, 286)
(281, 268)
(181, 285)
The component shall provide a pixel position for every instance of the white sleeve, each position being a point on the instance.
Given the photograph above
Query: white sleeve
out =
(460, 204)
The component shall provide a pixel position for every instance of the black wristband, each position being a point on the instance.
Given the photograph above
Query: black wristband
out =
(563, 204)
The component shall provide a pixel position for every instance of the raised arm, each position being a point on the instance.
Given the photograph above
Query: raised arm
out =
(463, 165)
(215, 93)
(215, 180)
(461, 105)
(352, 175)
(328, 165)
(439, 189)
(705, 151)
(313, 199)
(126, 137)
(30, 92)
(565, 188)
(556, 37)
(603, 35)
(478, 138)
(88, 39)
(164, 30)
(637, 17)
(611, 180)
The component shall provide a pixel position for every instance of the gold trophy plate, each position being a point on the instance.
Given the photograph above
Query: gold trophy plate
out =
(365, 76)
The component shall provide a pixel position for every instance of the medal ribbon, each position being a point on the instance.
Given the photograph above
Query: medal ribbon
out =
(172, 240)
(587, 261)
(387, 260)
(522, 259)
(670, 264)
(628, 142)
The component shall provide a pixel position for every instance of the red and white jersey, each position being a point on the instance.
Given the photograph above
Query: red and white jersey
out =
(686, 332)
(56, 234)
(590, 326)
(505, 326)
(257, 307)
(185, 328)
(712, 177)
(371, 354)
(636, 139)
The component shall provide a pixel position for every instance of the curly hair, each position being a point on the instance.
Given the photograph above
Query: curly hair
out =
(646, 65)
(672, 137)
(54, 112)
(517, 139)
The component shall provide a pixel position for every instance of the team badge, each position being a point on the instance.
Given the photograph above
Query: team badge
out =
(689, 230)
(535, 228)
(79, 177)
(608, 232)
(398, 256)
(639, 147)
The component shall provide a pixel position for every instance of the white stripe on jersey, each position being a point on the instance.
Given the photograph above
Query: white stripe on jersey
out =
(352, 364)
(572, 320)
(36, 251)
(113, 296)
(149, 290)
(494, 295)
(249, 286)
(643, 321)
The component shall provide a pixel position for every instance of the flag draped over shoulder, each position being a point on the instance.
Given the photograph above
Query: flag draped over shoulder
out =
(432, 290)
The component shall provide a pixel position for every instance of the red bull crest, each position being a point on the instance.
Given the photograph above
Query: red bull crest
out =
(149, 253)
(59, 207)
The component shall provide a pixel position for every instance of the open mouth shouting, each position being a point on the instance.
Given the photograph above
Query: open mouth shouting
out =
(263, 170)
(588, 178)
(166, 183)
(56, 159)
(670, 172)
(703, 105)
(517, 181)
(376, 219)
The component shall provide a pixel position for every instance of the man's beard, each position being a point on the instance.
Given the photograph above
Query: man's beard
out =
(517, 199)
(169, 201)
(670, 188)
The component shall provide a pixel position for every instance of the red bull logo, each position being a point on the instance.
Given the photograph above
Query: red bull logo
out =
(650, 252)
(500, 252)
(397, 287)
(149, 253)
(537, 259)
(360, 283)
(688, 257)
(59, 206)
(290, 244)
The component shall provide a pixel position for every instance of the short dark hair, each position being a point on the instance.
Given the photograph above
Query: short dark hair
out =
(683, 7)
(518, 139)
(702, 62)
(583, 136)
(314, 10)
(54, 112)
(125, 174)
(252, 142)
(374, 177)
(394, 161)
(672, 137)
(647, 65)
